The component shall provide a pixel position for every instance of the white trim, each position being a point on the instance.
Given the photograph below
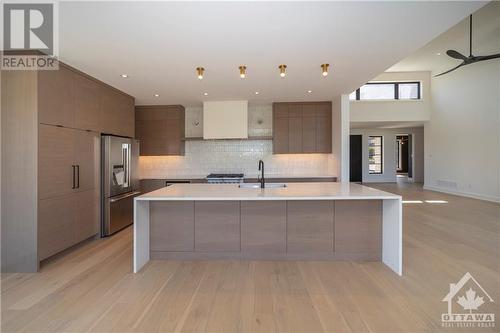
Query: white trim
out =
(463, 194)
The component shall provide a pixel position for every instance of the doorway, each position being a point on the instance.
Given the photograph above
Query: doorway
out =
(404, 156)
(355, 158)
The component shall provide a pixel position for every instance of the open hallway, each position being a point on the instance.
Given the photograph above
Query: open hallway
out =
(92, 289)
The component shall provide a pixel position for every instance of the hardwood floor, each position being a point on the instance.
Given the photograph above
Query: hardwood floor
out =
(92, 289)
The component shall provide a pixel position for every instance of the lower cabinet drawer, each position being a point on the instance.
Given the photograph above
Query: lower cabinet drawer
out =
(217, 226)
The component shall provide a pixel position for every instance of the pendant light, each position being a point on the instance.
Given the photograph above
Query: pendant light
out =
(199, 72)
(282, 69)
(324, 69)
(243, 71)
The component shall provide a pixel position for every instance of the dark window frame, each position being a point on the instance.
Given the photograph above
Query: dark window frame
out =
(381, 155)
(396, 90)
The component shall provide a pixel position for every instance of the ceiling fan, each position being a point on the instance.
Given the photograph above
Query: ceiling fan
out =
(471, 58)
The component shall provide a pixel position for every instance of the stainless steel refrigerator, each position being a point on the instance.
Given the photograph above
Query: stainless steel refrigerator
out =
(119, 182)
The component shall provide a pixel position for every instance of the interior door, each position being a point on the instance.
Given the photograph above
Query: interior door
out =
(355, 160)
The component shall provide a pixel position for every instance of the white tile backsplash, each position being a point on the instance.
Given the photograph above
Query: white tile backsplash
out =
(234, 156)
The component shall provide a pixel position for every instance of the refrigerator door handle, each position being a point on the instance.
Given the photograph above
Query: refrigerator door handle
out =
(123, 196)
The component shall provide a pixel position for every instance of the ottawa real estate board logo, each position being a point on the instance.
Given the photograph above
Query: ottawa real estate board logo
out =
(29, 36)
(466, 302)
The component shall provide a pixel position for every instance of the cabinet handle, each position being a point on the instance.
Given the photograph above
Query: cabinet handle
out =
(73, 169)
(78, 176)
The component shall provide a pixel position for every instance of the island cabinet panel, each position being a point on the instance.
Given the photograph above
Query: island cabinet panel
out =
(358, 228)
(310, 226)
(172, 226)
(263, 227)
(217, 226)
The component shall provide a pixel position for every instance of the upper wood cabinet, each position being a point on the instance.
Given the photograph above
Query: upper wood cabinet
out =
(117, 112)
(160, 129)
(72, 99)
(302, 127)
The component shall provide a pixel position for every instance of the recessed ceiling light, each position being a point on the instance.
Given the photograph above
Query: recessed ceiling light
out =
(124, 76)
(205, 94)
(309, 91)
(156, 95)
(256, 93)
(439, 53)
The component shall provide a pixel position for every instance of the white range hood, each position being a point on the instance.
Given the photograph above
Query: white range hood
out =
(225, 120)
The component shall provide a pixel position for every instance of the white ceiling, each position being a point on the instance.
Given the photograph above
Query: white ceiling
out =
(159, 44)
(486, 40)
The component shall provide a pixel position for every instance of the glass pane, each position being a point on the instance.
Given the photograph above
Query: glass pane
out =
(408, 91)
(377, 91)
(352, 96)
(375, 154)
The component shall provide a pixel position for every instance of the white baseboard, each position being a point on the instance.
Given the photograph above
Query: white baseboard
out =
(462, 194)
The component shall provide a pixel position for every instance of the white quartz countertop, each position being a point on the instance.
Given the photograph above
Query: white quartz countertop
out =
(293, 191)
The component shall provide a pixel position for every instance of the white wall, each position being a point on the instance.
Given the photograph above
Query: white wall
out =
(395, 110)
(340, 137)
(462, 140)
(389, 153)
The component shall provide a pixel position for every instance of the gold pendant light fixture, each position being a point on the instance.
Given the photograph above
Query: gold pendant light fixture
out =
(199, 72)
(324, 69)
(282, 69)
(243, 71)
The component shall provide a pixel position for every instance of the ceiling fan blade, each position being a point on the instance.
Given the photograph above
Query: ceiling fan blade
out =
(456, 55)
(450, 70)
(488, 57)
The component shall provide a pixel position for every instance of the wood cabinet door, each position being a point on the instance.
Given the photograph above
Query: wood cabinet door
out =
(310, 226)
(173, 137)
(324, 135)
(263, 227)
(309, 134)
(217, 226)
(172, 226)
(358, 228)
(55, 160)
(117, 112)
(160, 130)
(55, 225)
(295, 135)
(280, 135)
(87, 160)
(87, 110)
(126, 109)
(280, 110)
(86, 214)
(56, 97)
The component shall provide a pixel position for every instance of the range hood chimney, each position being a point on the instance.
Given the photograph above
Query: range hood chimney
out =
(225, 120)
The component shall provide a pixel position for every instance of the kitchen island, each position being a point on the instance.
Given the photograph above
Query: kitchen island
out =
(302, 221)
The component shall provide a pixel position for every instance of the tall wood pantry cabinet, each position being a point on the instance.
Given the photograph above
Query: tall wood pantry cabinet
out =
(53, 120)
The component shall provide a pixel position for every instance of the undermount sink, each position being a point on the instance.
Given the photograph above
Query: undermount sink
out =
(267, 185)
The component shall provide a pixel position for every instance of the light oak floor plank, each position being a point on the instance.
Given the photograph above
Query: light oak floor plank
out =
(92, 288)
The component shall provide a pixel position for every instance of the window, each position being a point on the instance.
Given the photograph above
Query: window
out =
(387, 91)
(375, 154)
